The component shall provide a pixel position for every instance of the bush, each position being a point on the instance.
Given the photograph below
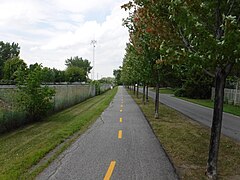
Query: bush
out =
(180, 92)
(34, 99)
(197, 85)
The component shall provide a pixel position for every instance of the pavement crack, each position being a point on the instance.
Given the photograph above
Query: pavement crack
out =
(71, 150)
(59, 163)
(101, 118)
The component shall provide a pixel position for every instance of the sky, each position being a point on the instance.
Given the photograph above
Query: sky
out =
(50, 31)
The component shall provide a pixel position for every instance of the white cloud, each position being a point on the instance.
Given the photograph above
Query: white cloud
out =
(49, 32)
(81, 6)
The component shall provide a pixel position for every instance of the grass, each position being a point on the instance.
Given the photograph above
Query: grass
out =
(186, 143)
(164, 90)
(209, 103)
(228, 108)
(25, 147)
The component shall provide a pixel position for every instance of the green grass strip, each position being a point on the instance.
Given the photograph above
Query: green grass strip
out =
(23, 148)
(163, 90)
(186, 143)
(228, 108)
(235, 110)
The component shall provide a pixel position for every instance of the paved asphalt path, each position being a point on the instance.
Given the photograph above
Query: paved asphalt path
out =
(120, 145)
(231, 123)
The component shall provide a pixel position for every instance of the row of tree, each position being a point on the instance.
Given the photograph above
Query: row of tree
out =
(77, 68)
(183, 41)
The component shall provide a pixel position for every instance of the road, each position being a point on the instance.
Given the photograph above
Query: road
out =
(231, 123)
(120, 145)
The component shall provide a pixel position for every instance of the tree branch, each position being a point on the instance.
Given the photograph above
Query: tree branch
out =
(231, 7)
(208, 73)
(228, 68)
(185, 41)
(238, 20)
(219, 31)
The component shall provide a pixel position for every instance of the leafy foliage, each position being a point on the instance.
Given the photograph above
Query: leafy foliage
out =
(11, 66)
(107, 80)
(34, 99)
(77, 69)
(7, 51)
(75, 74)
(117, 75)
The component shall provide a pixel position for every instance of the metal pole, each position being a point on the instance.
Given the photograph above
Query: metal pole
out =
(93, 42)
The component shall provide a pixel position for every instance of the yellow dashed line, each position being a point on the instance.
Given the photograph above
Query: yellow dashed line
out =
(110, 170)
(120, 134)
(120, 120)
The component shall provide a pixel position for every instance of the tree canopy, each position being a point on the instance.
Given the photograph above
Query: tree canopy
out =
(77, 69)
(7, 51)
(11, 66)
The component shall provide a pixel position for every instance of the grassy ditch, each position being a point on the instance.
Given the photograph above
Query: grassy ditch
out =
(25, 147)
(209, 103)
(186, 142)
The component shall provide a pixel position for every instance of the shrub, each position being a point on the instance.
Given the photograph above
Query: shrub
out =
(34, 99)
(180, 92)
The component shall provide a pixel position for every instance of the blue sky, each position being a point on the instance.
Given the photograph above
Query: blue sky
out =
(49, 32)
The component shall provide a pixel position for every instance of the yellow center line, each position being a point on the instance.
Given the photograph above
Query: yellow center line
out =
(120, 120)
(121, 110)
(110, 170)
(120, 134)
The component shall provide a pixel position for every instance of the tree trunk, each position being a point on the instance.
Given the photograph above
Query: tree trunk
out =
(143, 97)
(220, 79)
(138, 90)
(134, 89)
(157, 102)
(147, 93)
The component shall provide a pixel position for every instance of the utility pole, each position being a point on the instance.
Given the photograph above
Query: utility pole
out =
(93, 42)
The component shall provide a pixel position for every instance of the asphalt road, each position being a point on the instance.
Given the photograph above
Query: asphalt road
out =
(120, 145)
(231, 123)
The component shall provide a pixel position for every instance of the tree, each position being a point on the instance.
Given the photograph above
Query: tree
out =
(210, 33)
(48, 75)
(79, 62)
(75, 74)
(7, 51)
(148, 36)
(34, 99)
(11, 66)
(59, 76)
(108, 80)
(117, 75)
